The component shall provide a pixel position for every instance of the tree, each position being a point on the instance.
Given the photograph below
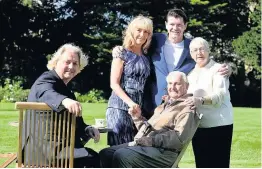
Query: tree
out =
(248, 45)
(31, 31)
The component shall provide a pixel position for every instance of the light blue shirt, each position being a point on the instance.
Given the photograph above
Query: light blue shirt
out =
(172, 53)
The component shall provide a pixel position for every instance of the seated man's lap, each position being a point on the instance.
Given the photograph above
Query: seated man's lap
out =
(106, 155)
(137, 156)
(91, 160)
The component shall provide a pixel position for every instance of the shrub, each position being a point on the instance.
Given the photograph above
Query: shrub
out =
(93, 96)
(12, 91)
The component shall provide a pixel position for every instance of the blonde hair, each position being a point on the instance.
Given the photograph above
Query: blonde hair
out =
(83, 59)
(199, 40)
(173, 74)
(141, 22)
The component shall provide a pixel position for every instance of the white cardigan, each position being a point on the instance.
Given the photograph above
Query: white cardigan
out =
(206, 82)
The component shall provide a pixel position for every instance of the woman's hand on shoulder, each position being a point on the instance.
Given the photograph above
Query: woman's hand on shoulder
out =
(165, 98)
(194, 102)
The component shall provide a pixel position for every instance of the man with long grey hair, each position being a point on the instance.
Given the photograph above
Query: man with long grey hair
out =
(51, 88)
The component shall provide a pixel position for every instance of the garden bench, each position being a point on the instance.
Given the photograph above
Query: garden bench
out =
(30, 123)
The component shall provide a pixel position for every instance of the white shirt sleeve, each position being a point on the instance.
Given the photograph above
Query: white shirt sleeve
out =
(220, 88)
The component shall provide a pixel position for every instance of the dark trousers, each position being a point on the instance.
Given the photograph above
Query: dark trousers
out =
(91, 161)
(212, 146)
(122, 156)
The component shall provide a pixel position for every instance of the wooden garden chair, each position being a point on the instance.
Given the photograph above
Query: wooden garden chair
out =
(59, 125)
(10, 158)
(181, 153)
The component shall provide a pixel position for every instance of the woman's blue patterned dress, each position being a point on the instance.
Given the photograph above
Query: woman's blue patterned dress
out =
(135, 72)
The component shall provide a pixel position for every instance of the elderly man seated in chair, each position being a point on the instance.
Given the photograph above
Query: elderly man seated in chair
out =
(161, 138)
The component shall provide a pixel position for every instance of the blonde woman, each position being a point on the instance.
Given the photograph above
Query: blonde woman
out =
(129, 71)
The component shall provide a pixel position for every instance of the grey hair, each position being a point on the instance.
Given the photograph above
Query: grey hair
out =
(173, 74)
(199, 40)
(83, 59)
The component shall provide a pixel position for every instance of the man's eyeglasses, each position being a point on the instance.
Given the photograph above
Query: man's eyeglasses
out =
(196, 49)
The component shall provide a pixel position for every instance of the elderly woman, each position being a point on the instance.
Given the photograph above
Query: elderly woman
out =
(51, 88)
(129, 71)
(212, 141)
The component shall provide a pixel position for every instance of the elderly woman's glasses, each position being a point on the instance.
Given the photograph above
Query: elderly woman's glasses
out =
(202, 49)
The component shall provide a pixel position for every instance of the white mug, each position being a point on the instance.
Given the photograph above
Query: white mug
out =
(100, 122)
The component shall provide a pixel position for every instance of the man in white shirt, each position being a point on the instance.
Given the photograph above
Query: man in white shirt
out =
(169, 52)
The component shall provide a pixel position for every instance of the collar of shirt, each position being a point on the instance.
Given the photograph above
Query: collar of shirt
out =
(176, 45)
(210, 63)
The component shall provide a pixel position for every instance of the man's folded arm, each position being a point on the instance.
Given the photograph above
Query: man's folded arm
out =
(185, 126)
(47, 94)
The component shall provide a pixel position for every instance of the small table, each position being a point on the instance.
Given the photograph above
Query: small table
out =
(104, 129)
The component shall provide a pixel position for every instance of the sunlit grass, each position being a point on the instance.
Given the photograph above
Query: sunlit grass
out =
(246, 146)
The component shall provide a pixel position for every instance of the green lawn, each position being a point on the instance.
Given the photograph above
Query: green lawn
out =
(246, 147)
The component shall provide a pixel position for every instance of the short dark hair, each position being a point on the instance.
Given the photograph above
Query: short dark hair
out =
(177, 13)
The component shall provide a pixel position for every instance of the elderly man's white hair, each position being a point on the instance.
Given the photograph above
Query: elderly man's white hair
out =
(83, 59)
(174, 74)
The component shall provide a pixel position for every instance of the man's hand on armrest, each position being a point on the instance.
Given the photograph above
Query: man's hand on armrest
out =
(72, 106)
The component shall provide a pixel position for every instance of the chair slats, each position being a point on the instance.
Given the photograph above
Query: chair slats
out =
(42, 139)
(72, 141)
(25, 130)
(63, 136)
(67, 137)
(50, 134)
(59, 134)
(38, 139)
(51, 147)
(29, 140)
(46, 133)
(55, 127)
(20, 138)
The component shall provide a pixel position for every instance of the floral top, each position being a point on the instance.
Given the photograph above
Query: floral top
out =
(135, 72)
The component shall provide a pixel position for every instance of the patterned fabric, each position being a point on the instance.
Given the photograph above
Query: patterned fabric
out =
(135, 72)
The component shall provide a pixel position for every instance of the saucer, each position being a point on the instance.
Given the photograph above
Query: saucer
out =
(103, 129)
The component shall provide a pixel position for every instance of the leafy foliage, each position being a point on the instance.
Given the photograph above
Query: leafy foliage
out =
(248, 45)
(31, 31)
(93, 96)
(13, 92)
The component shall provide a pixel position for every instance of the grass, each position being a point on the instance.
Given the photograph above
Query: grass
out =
(246, 145)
